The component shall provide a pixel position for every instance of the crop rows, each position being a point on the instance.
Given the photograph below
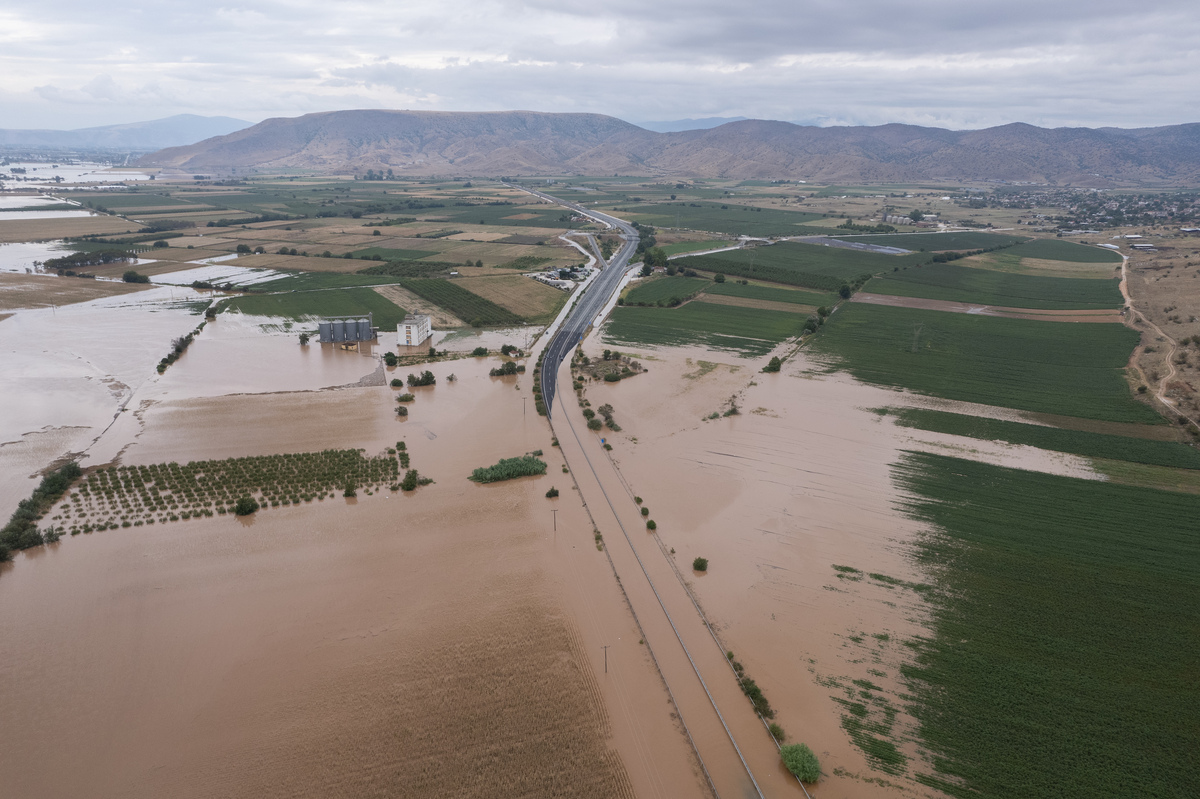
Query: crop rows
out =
(125, 496)
(939, 242)
(464, 304)
(1051, 367)
(1090, 445)
(807, 265)
(966, 284)
(1063, 650)
(663, 290)
(749, 331)
(770, 293)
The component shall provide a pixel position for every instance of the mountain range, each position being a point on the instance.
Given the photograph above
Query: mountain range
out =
(180, 129)
(530, 143)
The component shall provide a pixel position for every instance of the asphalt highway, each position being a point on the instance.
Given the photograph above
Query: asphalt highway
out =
(590, 303)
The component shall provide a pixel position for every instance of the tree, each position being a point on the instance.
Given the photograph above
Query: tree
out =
(158, 245)
(700, 564)
(774, 365)
(133, 277)
(244, 248)
(245, 506)
(916, 215)
(390, 358)
(303, 339)
(801, 761)
(718, 278)
(845, 291)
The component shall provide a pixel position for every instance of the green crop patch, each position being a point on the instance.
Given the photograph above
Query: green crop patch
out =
(940, 242)
(314, 304)
(680, 247)
(721, 218)
(1075, 442)
(795, 264)
(390, 254)
(1059, 250)
(748, 331)
(1051, 367)
(466, 305)
(663, 290)
(1062, 651)
(770, 293)
(966, 284)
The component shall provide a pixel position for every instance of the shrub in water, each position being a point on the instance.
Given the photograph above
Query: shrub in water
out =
(700, 564)
(552, 493)
(801, 761)
(245, 506)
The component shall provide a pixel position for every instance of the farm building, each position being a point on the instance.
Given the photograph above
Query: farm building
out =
(413, 330)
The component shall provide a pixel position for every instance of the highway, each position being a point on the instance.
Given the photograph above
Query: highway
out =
(593, 299)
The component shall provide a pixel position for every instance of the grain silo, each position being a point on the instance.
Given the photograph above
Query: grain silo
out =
(326, 332)
(339, 330)
(364, 330)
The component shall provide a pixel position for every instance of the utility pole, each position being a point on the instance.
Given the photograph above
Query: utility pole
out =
(554, 511)
(605, 648)
(522, 406)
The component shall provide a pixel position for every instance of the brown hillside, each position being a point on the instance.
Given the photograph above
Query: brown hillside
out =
(524, 142)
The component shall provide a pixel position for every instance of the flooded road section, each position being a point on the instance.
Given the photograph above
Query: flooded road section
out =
(775, 497)
(444, 642)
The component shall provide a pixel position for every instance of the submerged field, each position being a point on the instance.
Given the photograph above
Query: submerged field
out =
(1076, 442)
(1072, 370)
(1062, 655)
(311, 304)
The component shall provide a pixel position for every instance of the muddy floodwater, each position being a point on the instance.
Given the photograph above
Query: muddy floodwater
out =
(444, 642)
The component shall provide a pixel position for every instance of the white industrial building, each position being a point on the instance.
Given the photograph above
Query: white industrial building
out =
(413, 330)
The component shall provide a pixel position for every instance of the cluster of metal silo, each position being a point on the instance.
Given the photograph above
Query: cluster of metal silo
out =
(337, 331)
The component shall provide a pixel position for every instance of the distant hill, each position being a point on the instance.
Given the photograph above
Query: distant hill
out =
(676, 125)
(175, 131)
(524, 142)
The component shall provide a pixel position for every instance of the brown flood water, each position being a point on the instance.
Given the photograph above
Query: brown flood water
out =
(774, 498)
(446, 642)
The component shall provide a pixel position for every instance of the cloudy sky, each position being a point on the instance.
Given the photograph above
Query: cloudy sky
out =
(949, 63)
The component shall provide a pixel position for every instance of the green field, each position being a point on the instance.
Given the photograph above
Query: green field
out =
(937, 242)
(664, 289)
(1051, 367)
(466, 305)
(792, 263)
(967, 284)
(389, 254)
(1062, 656)
(1059, 250)
(756, 292)
(1089, 445)
(749, 331)
(312, 304)
(737, 220)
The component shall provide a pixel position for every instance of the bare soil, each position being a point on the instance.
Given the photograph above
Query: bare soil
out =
(43, 291)
(523, 296)
(49, 229)
(766, 305)
(439, 317)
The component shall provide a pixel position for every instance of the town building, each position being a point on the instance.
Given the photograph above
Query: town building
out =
(413, 330)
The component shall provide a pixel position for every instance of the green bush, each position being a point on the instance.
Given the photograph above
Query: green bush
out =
(390, 359)
(405, 397)
(650, 525)
(801, 761)
(479, 352)
(509, 469)
(774, 365)
(426, 379)
(700, 564)
(133, 277)
(595, 424)
(398, 383)
(552, 493)
(245, 506)
(777, 732)
(401, 410)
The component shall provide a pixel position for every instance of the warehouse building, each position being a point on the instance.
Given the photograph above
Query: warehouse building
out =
(413, 330)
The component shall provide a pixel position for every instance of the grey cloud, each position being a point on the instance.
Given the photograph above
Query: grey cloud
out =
(949, 63)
